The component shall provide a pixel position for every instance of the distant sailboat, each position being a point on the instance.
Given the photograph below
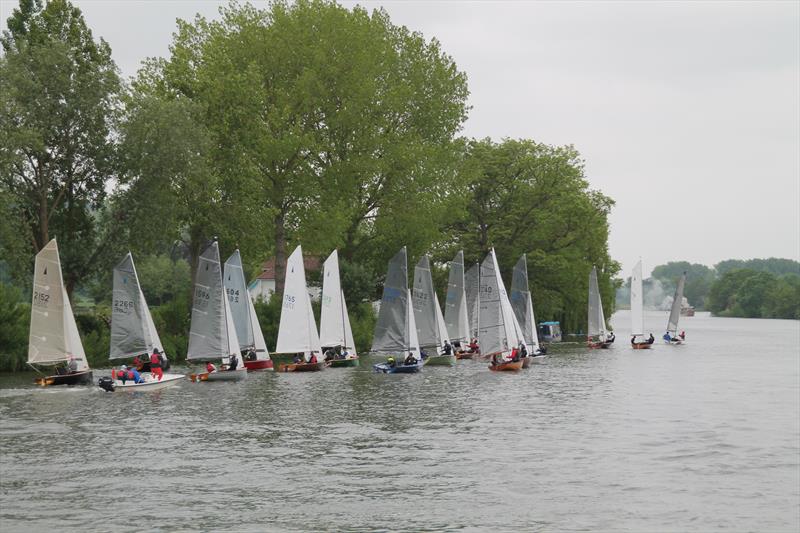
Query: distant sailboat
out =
(212, 334)
(431, 329)
(637, 310)
(54, 340)
(672, 337)
(596, 335)
(133, 333)
(497, 333)
(297, 333)
(334, 323)
(456, 317)
(252, 345)
(396, 330)
(522, 303)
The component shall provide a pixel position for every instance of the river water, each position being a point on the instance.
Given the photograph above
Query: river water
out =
(704, 436)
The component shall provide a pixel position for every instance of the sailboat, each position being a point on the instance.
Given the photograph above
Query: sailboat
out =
(133, 333)
(431, 329)
(596, 334)
(251, 340)
(522, 304)
(334, 323)
(496, 330)
(297, 333)
(471, 289)
(212, 334)
(456, 318)
(671, 336)
(54, 340)
(396, 330)
(637, 311)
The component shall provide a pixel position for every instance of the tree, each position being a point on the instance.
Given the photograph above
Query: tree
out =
(344, 120)
(58, 99)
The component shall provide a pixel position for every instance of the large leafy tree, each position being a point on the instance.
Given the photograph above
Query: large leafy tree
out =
(528, 197)
(344, 120)
(58, 100)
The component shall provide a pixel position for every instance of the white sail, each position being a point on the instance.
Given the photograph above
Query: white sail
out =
(349, 343)
(262, 354)
(441, 327)
(675, 312)
(522, 303)
(391, 329)
(53, 336)
(472, 290)
(412, 344)
(334, 322)
(455, 315)
(596, 319)
(150, 325)
(496, 319)
(637, 312)
(209, 331)
(298, 328)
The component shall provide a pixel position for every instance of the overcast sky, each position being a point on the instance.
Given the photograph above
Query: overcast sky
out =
(687, 113)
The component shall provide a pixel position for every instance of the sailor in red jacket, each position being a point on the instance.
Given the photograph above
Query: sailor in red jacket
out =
(155, 364)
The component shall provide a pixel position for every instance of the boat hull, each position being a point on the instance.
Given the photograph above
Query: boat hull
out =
(641, 345)
(511, 366)
(465, 355)
(150, 384)
(254, 366)
(222, 375)
(302, 367)
(344, 363)
(440, 360)
(397, 369)
(599, 345)
(75, 378)
(526, 362)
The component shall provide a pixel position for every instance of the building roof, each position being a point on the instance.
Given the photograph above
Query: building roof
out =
(310, 263)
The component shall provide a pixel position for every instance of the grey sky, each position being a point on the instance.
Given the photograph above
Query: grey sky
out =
(687, 113)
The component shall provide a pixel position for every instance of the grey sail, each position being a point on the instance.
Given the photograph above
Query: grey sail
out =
(522, 303)
(130, 332)
(236, 291)
(391, 329)
(595, 307)
(424, 305)
(208, 336)
(455, 307)
(471, 288)
(675, 312)
(492, 326)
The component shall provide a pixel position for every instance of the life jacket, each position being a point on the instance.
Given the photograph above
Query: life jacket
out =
(313, 359)
(155, 361)
(130, 374)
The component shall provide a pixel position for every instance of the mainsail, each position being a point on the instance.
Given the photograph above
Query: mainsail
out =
(334, 324)
(392, 328)
(471, 289)
(637, 312)
(522, 303)
(132, 329)
(431, 333)
(212, 334)
(675, 312)
(597, 322)
(455, 314)
(53, 334)
(245, 320)
(496, 320)
(298, 328)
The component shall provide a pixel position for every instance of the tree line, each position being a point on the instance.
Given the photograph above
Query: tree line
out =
(299, 122)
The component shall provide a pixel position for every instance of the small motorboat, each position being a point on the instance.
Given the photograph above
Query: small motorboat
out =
(150, 383)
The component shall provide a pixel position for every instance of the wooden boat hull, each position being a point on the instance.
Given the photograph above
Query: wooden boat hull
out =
(465, 355)
(222, 375)
(440, 360)
(397, 369)
(254, 366)
(511, 366)
(302, 367)
(641, 345)
(599, 344)
(75, 378)
(343, 363)
(150, 384)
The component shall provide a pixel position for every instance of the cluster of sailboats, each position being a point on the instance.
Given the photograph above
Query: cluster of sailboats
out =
(480, 321)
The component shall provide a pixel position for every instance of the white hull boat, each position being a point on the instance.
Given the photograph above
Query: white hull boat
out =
(150, 383)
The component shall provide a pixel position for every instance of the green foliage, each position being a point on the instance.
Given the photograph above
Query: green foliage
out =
(755, 294)
(172, 321)
(58, 102)
(15, 319)
(773, 265)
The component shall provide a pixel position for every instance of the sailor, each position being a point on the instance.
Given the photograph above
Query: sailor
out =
(250, 355)
(447, 349)
(651, 339)
(313, 359)
(155, 364)
(234, 362)
(210, 368)
(298, 358)
(682, 335)
(633, 339)
(391, 362)
(523, 350)
(72, 366)
(514, 354)
(329, 354)
(666, 337)
(410, 360)
(473, 346)
(611, 337)
(497, 359)
(422, 353)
